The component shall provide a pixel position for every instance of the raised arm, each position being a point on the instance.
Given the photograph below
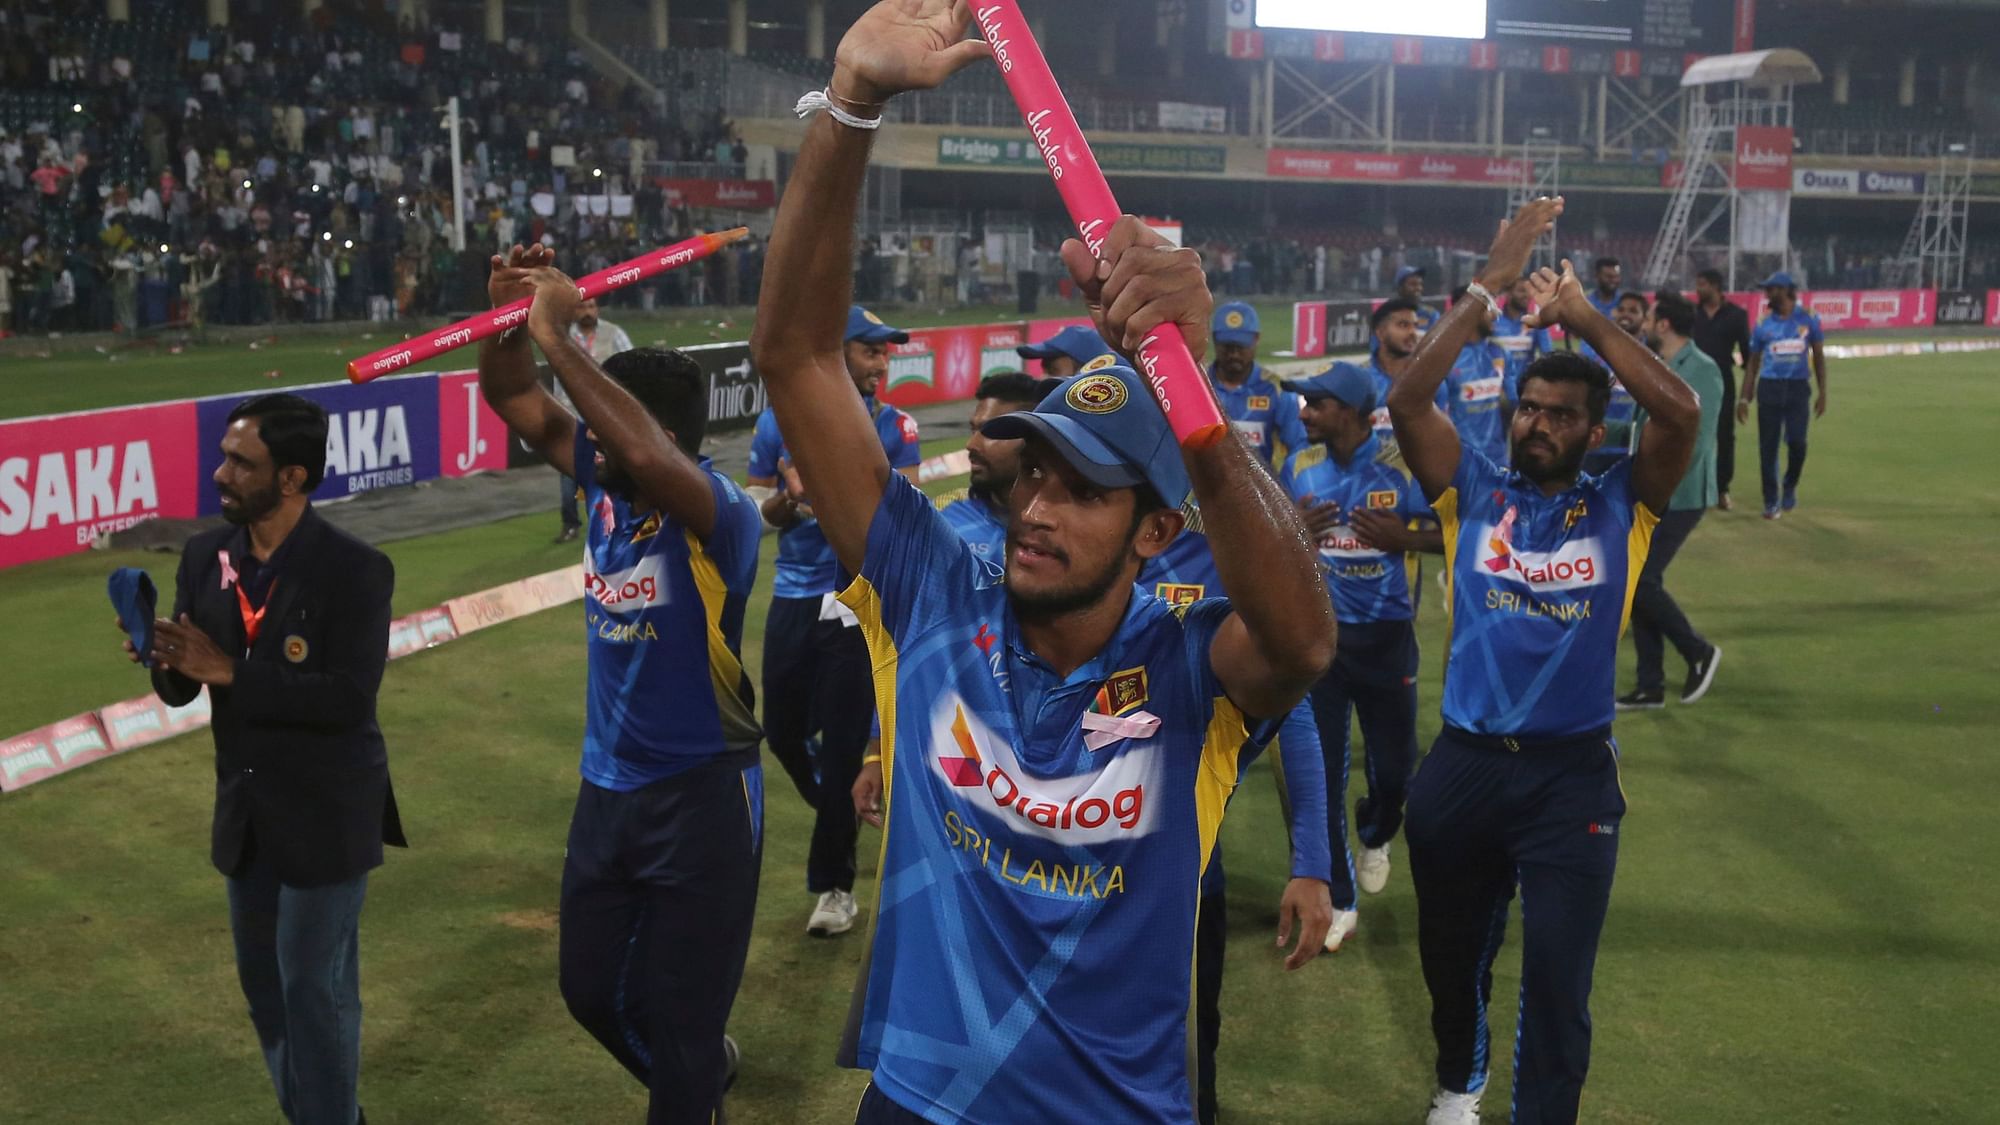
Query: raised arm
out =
(897, 45)
(1281, 637)
(1673, 412)
(664, 475)
(507, 369)
(1429, 443)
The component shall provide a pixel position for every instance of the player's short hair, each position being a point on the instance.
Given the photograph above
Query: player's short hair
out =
(1389, 308)
(1712, 276)
(672, 388)
(293, 428)
(1567, 367)
(1630, 295)
(1014, 388)
(1676, 310)
(1600, 263)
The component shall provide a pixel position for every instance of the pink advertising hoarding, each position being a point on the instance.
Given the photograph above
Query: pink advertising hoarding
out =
(66, 479)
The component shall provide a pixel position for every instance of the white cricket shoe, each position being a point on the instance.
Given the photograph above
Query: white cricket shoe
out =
(1371, 871)
(834, 914)
(1448, 1108)
(1344, 922)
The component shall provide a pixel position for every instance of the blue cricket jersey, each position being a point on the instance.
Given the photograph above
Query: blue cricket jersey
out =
(806, 566)
(666, 687)
(1260, 412)
(975, 522)
(1366, 584)
(1032, 875)
(1473, 392)
(1783, 345)
(1541, 589)
(1427, 317)
(1183, 574)
(1521, 347)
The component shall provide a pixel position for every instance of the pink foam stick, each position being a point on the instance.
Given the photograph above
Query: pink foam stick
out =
(396, 357)
(1169, 368)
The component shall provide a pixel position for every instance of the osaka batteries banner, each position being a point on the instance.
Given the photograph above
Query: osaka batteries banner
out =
(67, 479)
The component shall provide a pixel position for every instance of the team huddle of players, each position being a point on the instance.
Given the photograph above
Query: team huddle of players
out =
(1044, 690)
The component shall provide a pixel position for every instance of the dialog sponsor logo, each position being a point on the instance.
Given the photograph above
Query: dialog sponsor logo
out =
(1479, 390)
(1105, 804)
(626, 591)
(1340, 542)
(1575, 565)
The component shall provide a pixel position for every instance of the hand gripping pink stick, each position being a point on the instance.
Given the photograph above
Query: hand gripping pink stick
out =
(474, 329)
(1170, 370)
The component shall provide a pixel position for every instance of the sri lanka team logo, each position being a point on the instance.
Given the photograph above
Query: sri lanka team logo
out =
(1572, 566)
(1096, 394)
(1179, 593)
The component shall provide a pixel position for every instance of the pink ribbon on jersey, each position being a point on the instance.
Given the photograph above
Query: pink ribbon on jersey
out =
(1100, 731)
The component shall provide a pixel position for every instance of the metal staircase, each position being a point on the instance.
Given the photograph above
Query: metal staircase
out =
(1667, 262)
(1541, 175)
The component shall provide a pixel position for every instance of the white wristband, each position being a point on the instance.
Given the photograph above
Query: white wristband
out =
(812, 101)
(1480, 291)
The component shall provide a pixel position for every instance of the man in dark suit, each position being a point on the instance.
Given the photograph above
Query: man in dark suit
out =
(1722, 332)
(285, 619)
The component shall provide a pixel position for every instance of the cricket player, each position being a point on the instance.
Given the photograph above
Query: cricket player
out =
(1057, 748)
(660, 877)
(1520, 792)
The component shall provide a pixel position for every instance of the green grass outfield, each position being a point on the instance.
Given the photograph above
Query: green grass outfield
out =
(1804, 928)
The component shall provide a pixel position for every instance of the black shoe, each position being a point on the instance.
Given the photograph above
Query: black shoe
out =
(1643, 700)
(1701, 674)
(568, 535)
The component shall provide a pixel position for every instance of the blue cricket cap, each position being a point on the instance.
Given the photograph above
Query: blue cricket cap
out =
(868, 328)
(137, 603)
(1781, 279)
(1107, 425)
(1234, 323)
(1077, 342)
(1342, 381)
(1408, 271)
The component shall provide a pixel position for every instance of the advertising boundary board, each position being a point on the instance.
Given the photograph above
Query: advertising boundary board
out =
(1839, 310)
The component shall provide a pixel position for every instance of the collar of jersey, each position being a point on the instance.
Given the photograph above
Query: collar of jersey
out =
(1364, 454)
(1255, 377)
(1107, 658)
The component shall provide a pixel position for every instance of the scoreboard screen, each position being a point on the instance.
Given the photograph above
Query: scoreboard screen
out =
(1448, 19)
(1702, 26)
(1708, 27)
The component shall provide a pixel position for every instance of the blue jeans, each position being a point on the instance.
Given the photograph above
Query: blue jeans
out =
(1784, 406)
(298, 959)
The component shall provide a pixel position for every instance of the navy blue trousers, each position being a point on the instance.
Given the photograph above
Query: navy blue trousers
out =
(819, 701)
(1486, 820)
(1784, 409)
(658, 892)
(1374, 678)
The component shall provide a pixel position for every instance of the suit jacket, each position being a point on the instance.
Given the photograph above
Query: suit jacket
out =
(301, 773)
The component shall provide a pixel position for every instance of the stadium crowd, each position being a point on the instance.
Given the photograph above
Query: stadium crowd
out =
(218, 186)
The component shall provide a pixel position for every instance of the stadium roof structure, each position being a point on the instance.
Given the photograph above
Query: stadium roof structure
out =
(1779, 66)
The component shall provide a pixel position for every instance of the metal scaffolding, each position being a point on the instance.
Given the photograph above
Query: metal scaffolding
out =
(1541, 175)
(1756, 89)
(1933, 255)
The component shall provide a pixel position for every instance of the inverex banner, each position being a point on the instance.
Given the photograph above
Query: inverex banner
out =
(379, 434)
(68, 478)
